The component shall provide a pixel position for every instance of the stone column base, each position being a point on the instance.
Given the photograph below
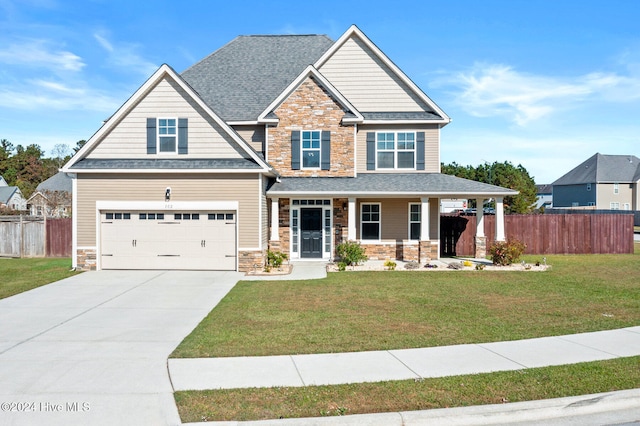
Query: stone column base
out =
(481, 248)
(428, 251)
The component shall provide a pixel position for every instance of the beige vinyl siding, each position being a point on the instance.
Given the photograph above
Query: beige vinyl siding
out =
(167, 100)
(606, 196)
(394, 215)
(265, 214)
(367, 82)
(253, 135)
(108, 187)
(431, 146)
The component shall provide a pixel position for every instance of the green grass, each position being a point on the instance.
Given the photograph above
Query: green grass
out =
(18, 275)
(407, 395)
(359, 311)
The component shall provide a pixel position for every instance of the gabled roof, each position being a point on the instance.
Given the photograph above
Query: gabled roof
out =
(6, 192)
(239, 80)
(352, 116)
(544, 189)
(437, 113)
(603, 169)
(58, 182)
(162, 72)
(389, 184)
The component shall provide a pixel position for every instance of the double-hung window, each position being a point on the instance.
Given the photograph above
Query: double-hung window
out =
(167, 135)
(311, 149)
(370, 221)
(396, 150)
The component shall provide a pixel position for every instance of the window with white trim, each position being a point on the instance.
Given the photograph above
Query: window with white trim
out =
(370, 221)
(414, 221)
(310, 149)
(614, 206)
(616, 188)
(168, 135)
(588, 187)
(396, 150)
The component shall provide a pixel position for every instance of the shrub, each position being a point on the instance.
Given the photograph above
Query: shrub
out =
(275, 259)
(506, 252)
(390, 265)
(351, 252)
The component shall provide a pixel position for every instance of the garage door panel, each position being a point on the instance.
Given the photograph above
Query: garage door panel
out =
(186, 240)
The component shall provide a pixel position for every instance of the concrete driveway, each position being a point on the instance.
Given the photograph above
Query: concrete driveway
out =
(92, 349)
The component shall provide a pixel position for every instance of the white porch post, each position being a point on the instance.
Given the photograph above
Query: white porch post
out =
(351, 213)
(275, 234)
(500, 235)
(425, 234)
(479, 217)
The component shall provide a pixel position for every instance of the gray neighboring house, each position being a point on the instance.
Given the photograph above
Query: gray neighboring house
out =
(52, 197)
(11, 196)
(603, 182)
(545, 196)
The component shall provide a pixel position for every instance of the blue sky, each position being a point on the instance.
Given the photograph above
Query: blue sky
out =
(545, 84)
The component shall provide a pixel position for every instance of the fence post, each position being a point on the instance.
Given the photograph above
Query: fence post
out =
(46, 248)
(21, 237)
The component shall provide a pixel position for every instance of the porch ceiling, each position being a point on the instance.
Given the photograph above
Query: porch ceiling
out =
(387, 185)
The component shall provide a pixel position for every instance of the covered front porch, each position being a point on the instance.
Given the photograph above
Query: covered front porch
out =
(392, 216)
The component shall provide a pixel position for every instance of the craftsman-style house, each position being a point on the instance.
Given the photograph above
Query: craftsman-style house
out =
(287, 143)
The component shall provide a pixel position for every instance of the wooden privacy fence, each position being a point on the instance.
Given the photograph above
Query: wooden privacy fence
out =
(543, 234)
(27, 236)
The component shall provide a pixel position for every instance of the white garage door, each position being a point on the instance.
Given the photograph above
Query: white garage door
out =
(168, 240)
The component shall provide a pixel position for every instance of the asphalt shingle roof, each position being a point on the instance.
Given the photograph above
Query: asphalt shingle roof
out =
(58, 182)
(241, 79)
(603, 169)
(6, 192)
(401, 115)
(387, 183)
(195, 164)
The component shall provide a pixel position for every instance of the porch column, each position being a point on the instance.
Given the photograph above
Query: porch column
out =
(351, 223)
(424, 220)
(500, 235)
(481, 239)
(479, 218)
(275, 234)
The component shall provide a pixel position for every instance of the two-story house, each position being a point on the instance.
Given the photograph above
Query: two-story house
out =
(605, 182)
(11, 197)
(288, 143)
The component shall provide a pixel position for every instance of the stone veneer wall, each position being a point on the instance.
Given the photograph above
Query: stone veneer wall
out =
(86, 259)
(340, 221)
(428, 251)
(251, 260)
(310, 107)
(481, 247)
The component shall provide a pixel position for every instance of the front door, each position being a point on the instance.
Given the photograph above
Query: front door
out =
(311, 232)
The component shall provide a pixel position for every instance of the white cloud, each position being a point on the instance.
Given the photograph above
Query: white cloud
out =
(40, 53)
(41, 95)
(124, 56)
(489, 90)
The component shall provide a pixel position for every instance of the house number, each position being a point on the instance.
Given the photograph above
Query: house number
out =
(168, 206)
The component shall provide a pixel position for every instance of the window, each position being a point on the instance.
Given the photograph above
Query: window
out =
(627, 206)
(311, 149)
(615, 206)
(167, 135)
(370, 221)
(588, 187)
(118, 216)
(414, 221)
(616, 188)
(396, 150)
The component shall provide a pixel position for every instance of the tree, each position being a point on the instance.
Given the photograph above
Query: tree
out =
(501, 174)
(60, 154)
(79, 146)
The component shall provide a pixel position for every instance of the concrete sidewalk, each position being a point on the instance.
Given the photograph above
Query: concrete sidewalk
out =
(402, 364)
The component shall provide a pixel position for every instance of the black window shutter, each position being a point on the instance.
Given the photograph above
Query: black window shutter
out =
(420, 151)
(295, 150)
(151, 135)
(371, 150)
(182, 136)
(325, 149)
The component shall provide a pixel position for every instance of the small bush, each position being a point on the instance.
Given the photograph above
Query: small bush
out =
(351, 253)
(467, 263)
(505, 253)
(390, 265)
(411, 265)
(342, 266)
(275, 259)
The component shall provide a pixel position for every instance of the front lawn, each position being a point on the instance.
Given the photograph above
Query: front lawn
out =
(18, 275)
(361, 311)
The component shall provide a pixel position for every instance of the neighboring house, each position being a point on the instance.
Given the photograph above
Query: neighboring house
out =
(11, 197)
(604, 182)
(545, 196)
(288, 143)
(52, 197)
